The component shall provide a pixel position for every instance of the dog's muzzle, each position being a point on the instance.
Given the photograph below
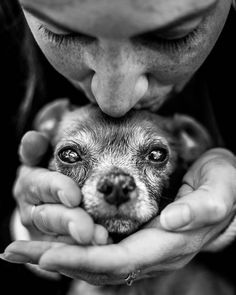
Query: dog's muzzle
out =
(116, 187)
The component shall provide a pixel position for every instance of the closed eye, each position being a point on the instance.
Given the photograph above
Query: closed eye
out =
(165, 42)
(65, 39)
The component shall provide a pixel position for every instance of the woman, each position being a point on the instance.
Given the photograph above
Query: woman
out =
(122, 55)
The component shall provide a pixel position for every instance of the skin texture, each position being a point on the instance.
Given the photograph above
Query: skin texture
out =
(118, 66)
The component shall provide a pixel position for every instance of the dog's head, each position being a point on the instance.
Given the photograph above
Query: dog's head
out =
(127, 168)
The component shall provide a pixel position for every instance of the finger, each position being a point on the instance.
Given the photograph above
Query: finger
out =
(31, 251)
(211, 203)
(33, 147)
(92, 259)
(56, 219)
(122, 258)
(40, 185)
(100, 235)
(27, 251)
(131, 254)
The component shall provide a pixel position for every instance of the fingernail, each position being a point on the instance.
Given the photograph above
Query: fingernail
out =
(176, 216)
(15, 258)
(100, 235)
(64, 199)
(74, 232)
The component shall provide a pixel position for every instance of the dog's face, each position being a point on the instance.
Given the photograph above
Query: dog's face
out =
(125, 166)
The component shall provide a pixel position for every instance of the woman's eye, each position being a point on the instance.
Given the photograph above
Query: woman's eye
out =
(69, 155)
(65, 38)
(158, 155)
(170, 41)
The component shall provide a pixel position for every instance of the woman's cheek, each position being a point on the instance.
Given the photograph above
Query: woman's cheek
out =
(175, 65)
(178, 67)
(69, 62)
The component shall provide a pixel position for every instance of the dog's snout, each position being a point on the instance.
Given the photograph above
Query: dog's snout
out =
(116, 187)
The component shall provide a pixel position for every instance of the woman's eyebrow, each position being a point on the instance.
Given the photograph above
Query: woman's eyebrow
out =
(175, 24)
(188, 18)
(172, 24)
(47, 19)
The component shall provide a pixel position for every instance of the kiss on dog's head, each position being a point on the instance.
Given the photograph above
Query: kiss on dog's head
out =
(128, 168)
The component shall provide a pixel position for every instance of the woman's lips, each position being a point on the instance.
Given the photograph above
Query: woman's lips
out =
(151, 101)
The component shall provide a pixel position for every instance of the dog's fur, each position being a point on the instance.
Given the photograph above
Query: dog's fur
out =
(128, 169)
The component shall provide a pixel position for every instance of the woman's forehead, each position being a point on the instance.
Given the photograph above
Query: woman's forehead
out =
(127, 16)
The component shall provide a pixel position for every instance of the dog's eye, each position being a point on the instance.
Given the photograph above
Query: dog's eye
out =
(158, 155)
(69, 155)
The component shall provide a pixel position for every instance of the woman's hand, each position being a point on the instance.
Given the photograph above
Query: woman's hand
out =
(148, 252)
(48, 201)
(208, 193)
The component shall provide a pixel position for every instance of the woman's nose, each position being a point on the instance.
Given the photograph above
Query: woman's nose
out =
(118, 83)
(117, 94)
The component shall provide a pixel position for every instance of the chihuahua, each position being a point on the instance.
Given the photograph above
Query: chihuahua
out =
(128, 170)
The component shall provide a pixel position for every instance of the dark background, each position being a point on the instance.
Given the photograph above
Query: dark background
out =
(219, 72)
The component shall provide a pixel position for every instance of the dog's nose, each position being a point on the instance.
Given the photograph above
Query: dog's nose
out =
(116, 187)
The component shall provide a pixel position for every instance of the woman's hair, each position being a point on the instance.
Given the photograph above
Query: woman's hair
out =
(20, 69)
(42, 82)
(234, 4)
(35, 81)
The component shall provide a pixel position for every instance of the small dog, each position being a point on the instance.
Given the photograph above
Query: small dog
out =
(128, 170)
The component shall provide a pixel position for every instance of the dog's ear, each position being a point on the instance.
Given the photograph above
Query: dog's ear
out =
(50, 115)
(192, 138)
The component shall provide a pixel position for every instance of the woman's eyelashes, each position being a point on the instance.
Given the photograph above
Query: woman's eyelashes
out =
(65, 39)
(166, 41)
(169, 42)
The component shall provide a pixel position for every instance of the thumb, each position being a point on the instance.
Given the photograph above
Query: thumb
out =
(206, 205)
(34, 146)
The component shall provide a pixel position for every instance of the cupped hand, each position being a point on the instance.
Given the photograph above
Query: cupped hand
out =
(48, 201)
(208, 193)
(149, 252)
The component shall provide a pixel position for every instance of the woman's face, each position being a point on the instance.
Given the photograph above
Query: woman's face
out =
(126, 53)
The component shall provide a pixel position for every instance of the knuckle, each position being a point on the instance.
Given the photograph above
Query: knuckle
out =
(49, 185)
(25, 220)
(40, 218)
(16, 191)
(181, 244)
(18, 185)
(217, 210)
(188, 245)
(33, 193)
(53, 184)
(194, 245)
(25, 185)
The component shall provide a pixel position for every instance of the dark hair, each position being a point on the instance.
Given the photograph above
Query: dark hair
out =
(19, 61)
(35, 82)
